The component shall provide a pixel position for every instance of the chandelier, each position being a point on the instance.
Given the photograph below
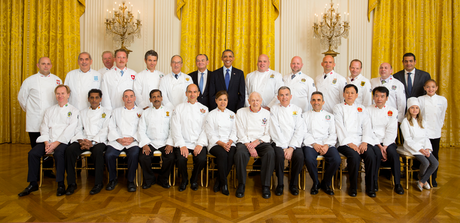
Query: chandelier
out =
(330, 29)
(121, 25)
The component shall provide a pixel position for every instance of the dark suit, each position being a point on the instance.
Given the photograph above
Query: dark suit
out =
(203, 98)
(236, 88)
(417, 88)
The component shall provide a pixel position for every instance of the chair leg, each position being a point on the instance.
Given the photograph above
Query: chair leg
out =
(41, 172)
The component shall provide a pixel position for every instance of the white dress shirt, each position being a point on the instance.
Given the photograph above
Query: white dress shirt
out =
(415, 138)
(80, 84)
(252, 125)
(302, 86)
(433, 109)
(332, 89)
(114, 84)
(187, 125)
(145, 82)
(124, 123)
(384, 124)
(286, 126)
(59, 124)
(266, 84)
(319, 128)
(35, 96)
(173, 90)
(397, 97)
(364, 89)
(205, 77)
(353, 124)
(220, 126)
(93, 125)
(154, 127)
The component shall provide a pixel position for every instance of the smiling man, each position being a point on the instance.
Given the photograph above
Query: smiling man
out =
(201, 78)
(147, 80)
(301, 85)
(412, 79)
(107, 60)
(363, 84)
(173, 85)
(330, 84)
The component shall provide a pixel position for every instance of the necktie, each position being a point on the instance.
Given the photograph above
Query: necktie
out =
(201, 82)
(176, 76)
(384, 82)
(293, 76)
(325, 76)
(122, 72)
(352, 79)
(409, 83)
(227, 78)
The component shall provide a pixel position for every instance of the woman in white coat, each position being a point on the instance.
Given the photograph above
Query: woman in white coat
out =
(416, 142)
(221, 132)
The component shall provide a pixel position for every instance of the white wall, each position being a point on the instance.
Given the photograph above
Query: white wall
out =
(293, 34)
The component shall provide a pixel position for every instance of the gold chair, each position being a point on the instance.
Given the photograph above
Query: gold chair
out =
(211, 167)
(123, 155)
(190, 158)
(321, 163)
(407, 165)
(235, 181)
(155, 166)
(42, 169)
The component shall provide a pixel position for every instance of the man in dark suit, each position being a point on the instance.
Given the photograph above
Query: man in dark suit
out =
(412, 79)
(229, 79)
(201, 78)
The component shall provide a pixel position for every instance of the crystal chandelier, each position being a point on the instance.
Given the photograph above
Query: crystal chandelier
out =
(330, 29)
(121, 25)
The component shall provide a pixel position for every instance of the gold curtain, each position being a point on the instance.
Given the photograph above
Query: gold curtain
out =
(430, 29)
(32, 29)
(210, 27)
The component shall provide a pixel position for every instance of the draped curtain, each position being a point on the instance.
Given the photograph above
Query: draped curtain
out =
(32, 29)
(209, 27)
(430, 29)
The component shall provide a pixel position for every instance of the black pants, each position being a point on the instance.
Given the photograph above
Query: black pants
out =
(224, 161)
(199, 162)
(34, 162)
(333, 161)
(354, 162)
(146, 163)
(267, 155)
(97, 154)
(111, 156)
(297, 161)
(435, 145)
(392, 159)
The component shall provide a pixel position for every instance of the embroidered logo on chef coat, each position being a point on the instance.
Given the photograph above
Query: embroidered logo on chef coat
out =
(58, 82)
(167, 114)
(360, 109)
(363, 83)
(294, 112)
(161, 75)
(272, 76)
(69, 114)
(334, 81)
(328, 117)
(232, 117)
(264, 121)
(393, 87)
(187, 79)
(390, 113)
(203, 110)
(138, 115)
(103, 115)
(132, 77)
(303, 80)
(96, 78)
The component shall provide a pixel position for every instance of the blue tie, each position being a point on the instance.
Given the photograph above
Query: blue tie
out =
(293, 76)
(409, 83)
(201, 82)
(176, 76)
(227, 78)
(122, 72)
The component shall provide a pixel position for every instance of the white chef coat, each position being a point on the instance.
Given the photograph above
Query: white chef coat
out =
(80, 84)
(220, 126)
(124, 123)
(35, 96)
(302, 86)
(353, 124)
(319, 128)
(187, 125)
(364, 89)
(415, 138)
(266, 84)
(252, 125)
(433, 110)
(384, 124)
(286, 126)
(145, 82)
(173, 90)
(59, 124)
(397, 97)
(154, 127)
(332, 89)
(113, 85)
(93, 125)
(104, 70)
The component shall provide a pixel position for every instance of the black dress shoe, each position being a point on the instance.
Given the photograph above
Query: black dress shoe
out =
(146, 185)
(183, 185)
(164, 185)
(279, 190)
(225, 190)
(327, 189)
(352, 192)
(111, 185)
(371, 193)
(131, 187)
(216, 186)
(399, 189)
(28, 189)
(314, 189)
(194, 186)
(240, 191)
(294, 190)
(60, 191)
(266, 192)
(70, 189)
(96, 189)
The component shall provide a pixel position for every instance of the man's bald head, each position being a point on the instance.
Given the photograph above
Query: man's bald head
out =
(385, 70)
(296, 64)
(263, 63)
(328, 63)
